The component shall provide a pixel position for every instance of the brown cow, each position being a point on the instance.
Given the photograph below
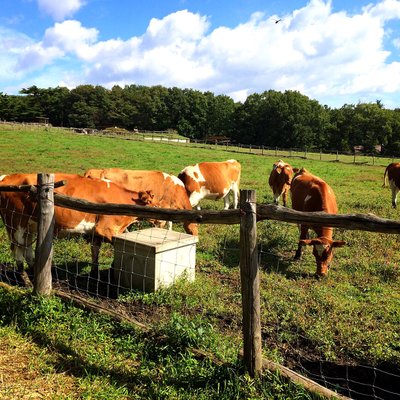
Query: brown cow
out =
(168, 190)
(310, 193)
(279, 180)
(18, 211)
(212, 180)
(392, 173)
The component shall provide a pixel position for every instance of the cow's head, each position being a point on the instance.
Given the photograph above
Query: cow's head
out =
(281, 168)
(323, 252)
(144, 198)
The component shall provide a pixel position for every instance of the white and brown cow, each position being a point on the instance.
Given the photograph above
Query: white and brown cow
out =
(18, 211)
(392, 173)
(212, 180)
(168, 190)
(310, 193)
(279, 180)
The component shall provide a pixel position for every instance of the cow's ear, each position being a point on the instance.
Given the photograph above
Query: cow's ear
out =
(296, 170)
(311, 242)
(338, 243)
(136, 195)
(146, 197)
(307, 242)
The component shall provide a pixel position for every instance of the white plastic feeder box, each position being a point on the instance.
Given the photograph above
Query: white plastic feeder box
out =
(152, 258)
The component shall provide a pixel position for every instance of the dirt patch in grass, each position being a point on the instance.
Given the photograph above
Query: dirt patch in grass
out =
(23, 373)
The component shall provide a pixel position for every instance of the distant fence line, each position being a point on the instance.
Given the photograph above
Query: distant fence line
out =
(332, 155)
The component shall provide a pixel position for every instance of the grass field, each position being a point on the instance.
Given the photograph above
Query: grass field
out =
(351, 316)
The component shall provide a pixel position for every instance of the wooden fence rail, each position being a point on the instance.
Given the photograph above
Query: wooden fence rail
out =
(363, 222)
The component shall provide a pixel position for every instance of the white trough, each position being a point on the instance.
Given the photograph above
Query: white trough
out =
(152, 258)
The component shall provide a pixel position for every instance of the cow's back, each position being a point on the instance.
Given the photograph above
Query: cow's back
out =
(219, 175)
(310, 193)
(167, 189)
(16, 208)
(393, 173)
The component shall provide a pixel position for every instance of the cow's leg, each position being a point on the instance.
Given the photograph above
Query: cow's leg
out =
(17, 238)
(21, 248)
(395, 192)
(276, 198)
(95, 249)
(191, 228)
(235, 195)
(29, 257)
(284, 197)
(226, 202)
(303, 235)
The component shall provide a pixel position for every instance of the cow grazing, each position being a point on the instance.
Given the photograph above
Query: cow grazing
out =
(168, 190)
(212, 180)
(18, 211)
(279, 180)
(392, 173)
(310, 193)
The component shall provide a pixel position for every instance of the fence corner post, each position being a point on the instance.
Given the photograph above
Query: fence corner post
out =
(42, 284)
(250, 283)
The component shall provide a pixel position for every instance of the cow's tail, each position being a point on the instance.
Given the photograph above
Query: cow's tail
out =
(385, 177)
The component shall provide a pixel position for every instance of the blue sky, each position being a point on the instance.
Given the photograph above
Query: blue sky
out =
(337, 52)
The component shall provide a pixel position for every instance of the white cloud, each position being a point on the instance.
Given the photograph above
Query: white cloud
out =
(176, 27)
(63, 38)
(314, 50)
(384, 10)
(60, 9)
(13, 43)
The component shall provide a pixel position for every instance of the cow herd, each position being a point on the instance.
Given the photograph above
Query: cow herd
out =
(213, 180)
(205, 180)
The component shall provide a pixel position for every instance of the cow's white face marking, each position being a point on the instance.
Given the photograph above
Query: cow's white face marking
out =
(308, 197)
(2, 177)
(279, 164)
(19, 236)
(320, 248)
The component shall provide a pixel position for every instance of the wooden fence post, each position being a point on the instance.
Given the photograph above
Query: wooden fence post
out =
(42, 284)
(250, 283)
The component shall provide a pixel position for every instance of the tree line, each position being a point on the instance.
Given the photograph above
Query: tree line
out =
(272, 118)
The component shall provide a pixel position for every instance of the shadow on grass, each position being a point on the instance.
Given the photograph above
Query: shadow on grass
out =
(77, 276)
(155, 351)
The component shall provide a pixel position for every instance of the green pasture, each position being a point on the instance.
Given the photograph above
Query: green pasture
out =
(352, 315)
